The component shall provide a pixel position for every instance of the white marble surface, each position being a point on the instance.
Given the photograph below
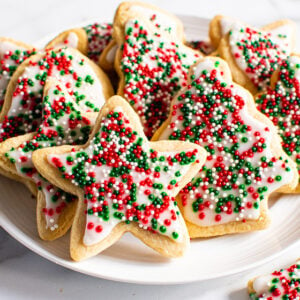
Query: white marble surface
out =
(23, 274)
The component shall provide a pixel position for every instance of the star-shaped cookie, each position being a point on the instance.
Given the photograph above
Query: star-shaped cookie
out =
(62, 123)
(252, 54)
(281, 104)
(124, 183)
(152, 60)
(245, 163)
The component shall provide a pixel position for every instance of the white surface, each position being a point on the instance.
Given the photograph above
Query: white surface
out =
(24, 275)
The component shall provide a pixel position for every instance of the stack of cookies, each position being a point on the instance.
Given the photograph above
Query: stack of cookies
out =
(126, 127)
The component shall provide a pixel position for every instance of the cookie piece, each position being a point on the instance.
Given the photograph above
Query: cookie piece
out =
(124, 183)
(282, 284)
(152, 60)
(12, 54)
(204, 46)
(21, 111)
(280, 103)
(63, 123)
(90, 40)
(252, 54)
(245, 163)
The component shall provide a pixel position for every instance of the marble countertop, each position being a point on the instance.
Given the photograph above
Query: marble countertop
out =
(25, 275)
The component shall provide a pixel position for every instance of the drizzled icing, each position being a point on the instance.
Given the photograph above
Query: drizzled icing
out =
(11, 56)
(124, 180)
(257, 52)
(65, 65)
(282, 284)
(62, 124)
(282, 105)
(241, 169)
(155, 68)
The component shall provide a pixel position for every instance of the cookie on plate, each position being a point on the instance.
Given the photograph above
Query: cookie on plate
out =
(281, 284)
(245, 162)
(63, 122)
(22, 109)
(123, 183)
(152, 60)
(252, 54)
(91, 40)
(281, 104)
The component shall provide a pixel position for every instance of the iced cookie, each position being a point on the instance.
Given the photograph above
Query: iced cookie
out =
(124, 183)
(90, 40)
(282, 284)
(280, 103)
(12, 54)
(21, 111)
(63, 123)
(245, 162)
(252, 54)
(152, 60)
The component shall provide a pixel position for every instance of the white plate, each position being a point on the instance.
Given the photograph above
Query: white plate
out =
(130, 261)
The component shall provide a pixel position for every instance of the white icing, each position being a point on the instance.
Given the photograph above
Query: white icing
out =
(111, 54)
(93, 92)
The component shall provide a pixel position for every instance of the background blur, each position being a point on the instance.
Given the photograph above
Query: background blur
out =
(32, 19)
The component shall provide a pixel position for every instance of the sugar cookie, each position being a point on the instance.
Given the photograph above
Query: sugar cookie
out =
(124, 183)
(245, 163)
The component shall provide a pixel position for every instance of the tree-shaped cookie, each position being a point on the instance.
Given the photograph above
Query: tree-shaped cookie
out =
(281, 284)
(21, 112)
(152, 60)
(245, 163)
(252, 54)
(62, 123)
(124, 183)
(90, 40)
(281, 103)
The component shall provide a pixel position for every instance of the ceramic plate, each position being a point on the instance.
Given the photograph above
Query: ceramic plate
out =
(130, 261)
